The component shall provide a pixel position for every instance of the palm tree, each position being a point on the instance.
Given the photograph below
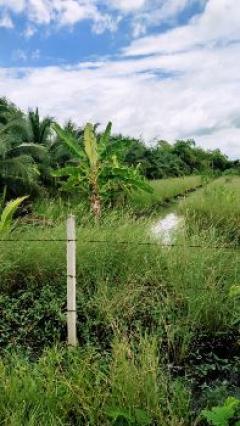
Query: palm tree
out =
(38, 131)
(59, 153)
(18, 170)
(32, 137)
(8, 111)
(22, 147)
(95, 168)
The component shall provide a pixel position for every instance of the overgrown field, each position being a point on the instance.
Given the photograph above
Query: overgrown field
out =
(216, 206)
(158, 327)
(164, 190)
(139, 202)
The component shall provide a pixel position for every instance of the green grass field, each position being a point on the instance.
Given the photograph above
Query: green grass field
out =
(163, 191)
(158, 327)
(216, 206)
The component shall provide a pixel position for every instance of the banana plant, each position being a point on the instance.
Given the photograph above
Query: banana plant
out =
(96, 169)
(7, 213)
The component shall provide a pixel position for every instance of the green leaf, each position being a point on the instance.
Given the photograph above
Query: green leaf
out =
(69, 141)
(90, 144)
(105, 137)
(66, 171)
(220, 416)
(9, 211)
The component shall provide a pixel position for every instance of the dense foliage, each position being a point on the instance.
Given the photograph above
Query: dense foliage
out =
(158, 327)
(30, 150)
(96, 171)
(181, 158)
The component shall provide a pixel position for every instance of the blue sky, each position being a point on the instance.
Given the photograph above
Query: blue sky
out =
(39, 43)
(156, 68)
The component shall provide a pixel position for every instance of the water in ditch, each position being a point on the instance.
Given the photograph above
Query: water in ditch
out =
(167, 227)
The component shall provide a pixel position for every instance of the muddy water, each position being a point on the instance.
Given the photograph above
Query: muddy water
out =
(167, 227)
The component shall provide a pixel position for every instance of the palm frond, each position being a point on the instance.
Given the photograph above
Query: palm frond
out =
(69, 141)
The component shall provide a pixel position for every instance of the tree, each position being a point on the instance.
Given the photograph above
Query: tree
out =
(33, 135)
(185, 150)
(95, 169)
(8, 111)
(219, 161)
(18, 170)
(59, 152)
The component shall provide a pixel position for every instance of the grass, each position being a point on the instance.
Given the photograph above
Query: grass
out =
(158, 328)
(84, 388)
(164, 190)
(216, 206)
(139, 203)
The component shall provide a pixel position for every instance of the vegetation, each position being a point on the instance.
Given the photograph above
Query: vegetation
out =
(82, 389)
(7, 213)
(176, 303)
(98, 173)
(216, 206)
(30, 152)
(224, 415)
(164, 190)
(182, 158)
(158, 327)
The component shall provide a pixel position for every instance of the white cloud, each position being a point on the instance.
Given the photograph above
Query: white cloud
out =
(70, 12)
(218, 23)
(6, 21)
(126, 5)
(186, 85)
(16, 6)
(39, 11)
(152, 13)
(143, 13)
(198, 100)
(60, 13)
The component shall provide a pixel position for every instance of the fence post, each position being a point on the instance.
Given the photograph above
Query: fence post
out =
(71, 282)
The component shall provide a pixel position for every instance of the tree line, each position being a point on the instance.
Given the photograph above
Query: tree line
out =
(37, 154)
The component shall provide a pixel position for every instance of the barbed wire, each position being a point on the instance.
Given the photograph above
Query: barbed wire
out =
(115, 242)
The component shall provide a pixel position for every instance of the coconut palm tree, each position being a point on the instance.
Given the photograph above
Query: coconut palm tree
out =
(31, 136)
(38, 131)
(8, 111)
(18, 170)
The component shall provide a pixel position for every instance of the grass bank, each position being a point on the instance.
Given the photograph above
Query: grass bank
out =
(151, 321)
(216, 206)
(140, 203)
(164, 191)
(84, 387)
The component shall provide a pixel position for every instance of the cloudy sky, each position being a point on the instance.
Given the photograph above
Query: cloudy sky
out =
(157, 68)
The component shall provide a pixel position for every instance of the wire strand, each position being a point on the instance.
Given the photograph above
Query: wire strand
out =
(139, 243)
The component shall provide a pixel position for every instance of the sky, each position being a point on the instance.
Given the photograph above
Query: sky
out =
(158, 69)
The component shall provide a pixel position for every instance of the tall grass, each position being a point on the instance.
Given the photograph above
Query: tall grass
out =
(84, 387)
(216, 206)
(164, 190)
(143, 311)
(122, 288)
